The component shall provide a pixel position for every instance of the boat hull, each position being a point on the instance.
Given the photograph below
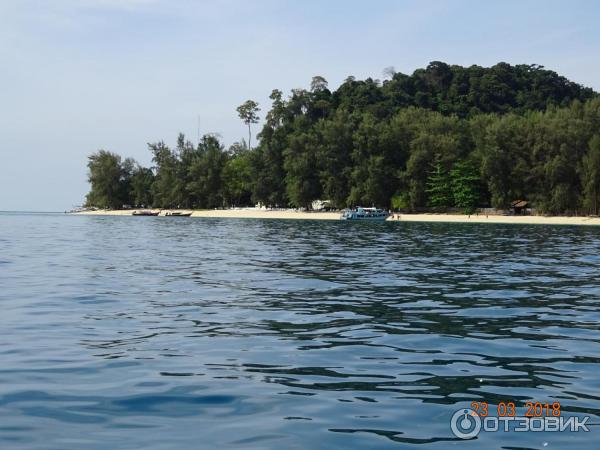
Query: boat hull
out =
(365, 219)
(144, 213)
(178, 214)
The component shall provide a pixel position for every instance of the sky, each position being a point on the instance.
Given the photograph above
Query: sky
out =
(81, 75)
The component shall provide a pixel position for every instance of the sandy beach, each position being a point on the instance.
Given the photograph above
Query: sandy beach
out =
(252, 213)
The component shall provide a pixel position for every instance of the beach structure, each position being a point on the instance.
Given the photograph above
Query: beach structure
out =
(519, 207)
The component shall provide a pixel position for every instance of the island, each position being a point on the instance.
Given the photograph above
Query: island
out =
(507, 143)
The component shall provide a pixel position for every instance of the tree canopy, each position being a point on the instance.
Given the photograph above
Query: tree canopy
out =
(248, 112)
(445, 136)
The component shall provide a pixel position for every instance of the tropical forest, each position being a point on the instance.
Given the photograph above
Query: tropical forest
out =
(444, 137)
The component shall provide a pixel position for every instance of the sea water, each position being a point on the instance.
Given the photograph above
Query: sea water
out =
(177, 333)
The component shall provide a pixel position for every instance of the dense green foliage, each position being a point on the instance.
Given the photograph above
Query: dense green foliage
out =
(111, 180)
(445, 136)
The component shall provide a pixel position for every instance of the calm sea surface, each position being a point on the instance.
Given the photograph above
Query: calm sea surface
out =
(184, 333)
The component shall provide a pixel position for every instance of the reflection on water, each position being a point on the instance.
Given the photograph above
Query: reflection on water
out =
(121, 332)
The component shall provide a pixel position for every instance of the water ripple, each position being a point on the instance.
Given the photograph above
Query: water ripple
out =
(121, 332)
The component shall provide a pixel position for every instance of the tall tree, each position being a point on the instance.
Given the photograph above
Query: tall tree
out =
(205, 173)
(465, 186)
(438, 186)
(302, 179)
(140, 194)
(318, 84)
(237, 180)
(372, 176)
(168, 188)
(266, 162)
(109, 178)
(335, 157)
(248, 112)
(590, 168)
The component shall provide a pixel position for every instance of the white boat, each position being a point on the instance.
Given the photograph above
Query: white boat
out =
(145, 212)
(360, 213)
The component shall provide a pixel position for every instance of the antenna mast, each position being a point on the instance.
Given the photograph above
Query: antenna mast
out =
(198, 128)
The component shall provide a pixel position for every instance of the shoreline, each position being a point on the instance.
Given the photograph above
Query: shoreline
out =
(251, 213)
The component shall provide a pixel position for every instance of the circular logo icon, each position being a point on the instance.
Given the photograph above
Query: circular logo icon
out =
(465, 423)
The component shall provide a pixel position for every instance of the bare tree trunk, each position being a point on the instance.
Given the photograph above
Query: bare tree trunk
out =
(249, 137)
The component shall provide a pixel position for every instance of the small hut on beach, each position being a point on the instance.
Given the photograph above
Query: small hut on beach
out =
(519, 207)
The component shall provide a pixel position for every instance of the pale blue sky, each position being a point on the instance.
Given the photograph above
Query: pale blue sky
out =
(80, 75)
